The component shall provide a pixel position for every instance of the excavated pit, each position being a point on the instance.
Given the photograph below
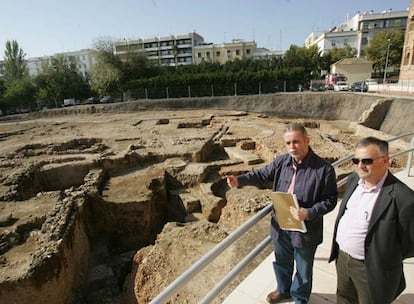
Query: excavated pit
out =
(81, 195)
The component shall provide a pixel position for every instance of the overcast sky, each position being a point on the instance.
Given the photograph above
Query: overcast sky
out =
(46, 27)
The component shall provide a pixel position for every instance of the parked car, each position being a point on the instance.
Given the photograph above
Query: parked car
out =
(106, 99)
(92, 100)
(359, 86)
(317, 86)
(70, 102)
(371, 82)
(341, 86)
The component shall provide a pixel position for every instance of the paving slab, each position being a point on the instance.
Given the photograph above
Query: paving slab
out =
(247, 157)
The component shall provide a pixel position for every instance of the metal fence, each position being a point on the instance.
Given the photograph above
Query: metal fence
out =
(215, 89)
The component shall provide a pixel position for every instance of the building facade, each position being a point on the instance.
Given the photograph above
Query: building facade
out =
(224, 52)
(84, 59)
(358, 31)
(169, 50)
(407, 61)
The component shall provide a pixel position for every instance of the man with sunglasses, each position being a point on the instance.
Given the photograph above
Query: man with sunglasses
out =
(312, 179)
(374, 230)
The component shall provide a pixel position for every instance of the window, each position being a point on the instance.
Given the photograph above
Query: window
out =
(333, 42)
(218, 54)
(345, 41)
(208, 54)
(237, 52)
(248, 51)
(364, 41)
(152, 53)
(199, 55)
(228, 53)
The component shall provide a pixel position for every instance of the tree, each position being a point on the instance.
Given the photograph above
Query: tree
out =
(106, 73)
(18, 91)
(19, 94)
(378, 48)
(2, 104)
(136, 66)
(60, 79)
(14, 62)
(308, 59)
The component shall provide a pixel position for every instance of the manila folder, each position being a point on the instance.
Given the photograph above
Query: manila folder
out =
(282, 202)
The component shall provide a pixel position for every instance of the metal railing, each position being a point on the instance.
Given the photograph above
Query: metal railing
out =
(185, 277)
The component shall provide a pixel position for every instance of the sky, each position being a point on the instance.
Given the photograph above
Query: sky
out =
(47, 27)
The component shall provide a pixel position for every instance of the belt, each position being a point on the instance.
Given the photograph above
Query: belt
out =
(350, 256)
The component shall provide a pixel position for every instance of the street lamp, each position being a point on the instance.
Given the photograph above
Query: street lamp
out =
(386, 61)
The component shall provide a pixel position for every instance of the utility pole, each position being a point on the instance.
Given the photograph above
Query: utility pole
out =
(386, 61)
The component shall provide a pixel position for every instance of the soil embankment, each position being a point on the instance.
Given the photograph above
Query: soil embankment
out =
(389, 114)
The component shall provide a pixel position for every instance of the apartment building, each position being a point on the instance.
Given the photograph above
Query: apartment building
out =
(407, 61)
(84, 60)
(165, 50)
(358, 31)
(224, 52)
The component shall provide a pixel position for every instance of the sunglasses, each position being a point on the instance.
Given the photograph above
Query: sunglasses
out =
(365, 161)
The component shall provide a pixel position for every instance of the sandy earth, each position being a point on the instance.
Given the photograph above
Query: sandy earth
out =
(71, 139)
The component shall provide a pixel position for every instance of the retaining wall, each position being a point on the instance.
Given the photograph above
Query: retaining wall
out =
(392, 115)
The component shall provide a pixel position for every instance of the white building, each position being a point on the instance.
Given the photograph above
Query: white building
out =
(84, 60)
(165, 50)
(358, 31)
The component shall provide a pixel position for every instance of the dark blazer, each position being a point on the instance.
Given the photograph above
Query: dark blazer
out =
(389, 240)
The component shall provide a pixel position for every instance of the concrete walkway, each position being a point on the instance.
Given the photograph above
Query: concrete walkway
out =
(254, 289)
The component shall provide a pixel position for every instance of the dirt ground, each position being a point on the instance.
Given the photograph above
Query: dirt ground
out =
(64, 145)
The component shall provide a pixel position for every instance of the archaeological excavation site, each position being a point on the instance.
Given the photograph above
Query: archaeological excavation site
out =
(110, 203)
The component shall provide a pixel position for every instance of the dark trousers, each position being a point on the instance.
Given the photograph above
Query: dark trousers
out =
(352, 280)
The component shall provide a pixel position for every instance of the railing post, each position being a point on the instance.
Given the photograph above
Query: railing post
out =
(410, 158)
(185, 277)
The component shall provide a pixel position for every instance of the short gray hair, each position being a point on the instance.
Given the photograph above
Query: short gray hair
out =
(382, 145)
(296, 127)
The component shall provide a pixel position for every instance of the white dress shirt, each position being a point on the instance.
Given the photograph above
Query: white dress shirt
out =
(353, 225)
